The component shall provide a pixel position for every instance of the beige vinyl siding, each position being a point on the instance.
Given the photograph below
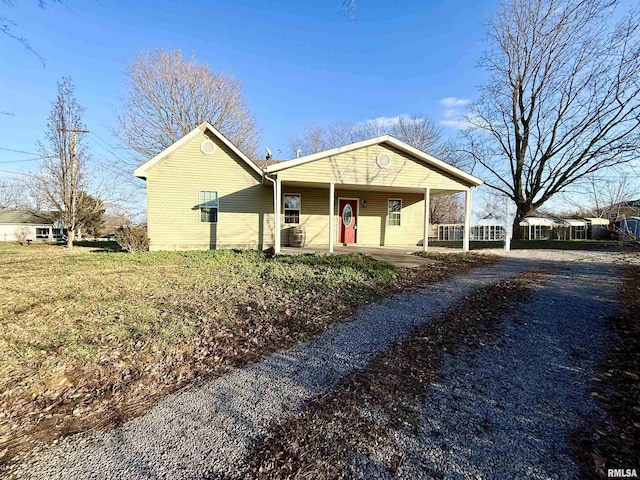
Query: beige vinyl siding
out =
(245, 216)
(372, 219)
(359, 167)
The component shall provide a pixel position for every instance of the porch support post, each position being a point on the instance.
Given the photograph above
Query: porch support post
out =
(332, 194)
(467, 221)
(277, 209)
(427, 209)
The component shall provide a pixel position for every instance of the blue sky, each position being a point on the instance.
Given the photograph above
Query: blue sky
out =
(300, 63)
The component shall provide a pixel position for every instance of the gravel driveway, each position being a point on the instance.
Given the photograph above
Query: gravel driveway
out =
(504, 412)
(207, 430)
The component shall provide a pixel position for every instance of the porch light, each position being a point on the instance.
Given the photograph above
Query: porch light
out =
(364, 203)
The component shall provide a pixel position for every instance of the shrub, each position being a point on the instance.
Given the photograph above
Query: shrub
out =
(132, 238)
(21, 234)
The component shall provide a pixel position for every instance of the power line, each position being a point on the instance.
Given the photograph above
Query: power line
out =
(15, 173)
(23, 160)
(102, 143)
(17, 151)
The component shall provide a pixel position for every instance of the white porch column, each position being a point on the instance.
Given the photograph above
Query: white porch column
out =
(427, 208)
(332, 194)
(276, 221)
(467, 221)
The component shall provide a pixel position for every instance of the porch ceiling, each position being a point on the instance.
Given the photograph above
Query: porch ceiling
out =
(368, 188)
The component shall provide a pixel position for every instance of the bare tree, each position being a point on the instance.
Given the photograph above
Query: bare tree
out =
(169, 96)
(10, 195)
(603, 196)
(349, 9)
(418, 131)
(6, 25)
(63, 175)
(562, 100)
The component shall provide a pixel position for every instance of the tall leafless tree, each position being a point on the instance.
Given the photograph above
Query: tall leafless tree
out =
(562, 100)
(169, 96)
(604, 196)
(10, 195)
(63, 174)
(418, 131)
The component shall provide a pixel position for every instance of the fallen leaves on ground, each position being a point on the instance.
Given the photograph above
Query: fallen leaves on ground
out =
(89, 340)
(367, 406)
(611, 438)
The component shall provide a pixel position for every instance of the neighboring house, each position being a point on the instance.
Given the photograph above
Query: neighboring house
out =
(35, 226)
(550, 228)
(203, 192)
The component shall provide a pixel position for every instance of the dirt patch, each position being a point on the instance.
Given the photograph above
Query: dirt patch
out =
(366, 407)
(90, 340)
(611, 438)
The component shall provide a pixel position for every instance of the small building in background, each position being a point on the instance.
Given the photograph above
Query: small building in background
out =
(629, 228)
(598, 228)
(570, 229)
(446, 232)
(488, 230)
(15, 224)
(537, 228)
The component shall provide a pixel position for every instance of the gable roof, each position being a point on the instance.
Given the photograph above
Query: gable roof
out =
(389, 140)
(141, 171)
(22, 217)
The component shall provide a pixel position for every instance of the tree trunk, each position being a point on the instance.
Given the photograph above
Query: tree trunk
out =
(70, 235)
(521, 213)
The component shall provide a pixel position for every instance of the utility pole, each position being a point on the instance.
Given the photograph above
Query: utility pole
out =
(71, 184)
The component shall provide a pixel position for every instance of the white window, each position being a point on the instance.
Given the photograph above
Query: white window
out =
(292, 208)
(208, 206)
(394, 210)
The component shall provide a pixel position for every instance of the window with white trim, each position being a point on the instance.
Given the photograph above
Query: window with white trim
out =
(208, 206)
(292, 208)
(394, 209)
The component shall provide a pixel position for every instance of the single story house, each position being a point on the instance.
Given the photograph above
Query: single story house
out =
(34, 226)
(204, 193)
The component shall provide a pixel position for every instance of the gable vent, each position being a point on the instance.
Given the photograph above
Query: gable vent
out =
(383, 160)
(207, 147)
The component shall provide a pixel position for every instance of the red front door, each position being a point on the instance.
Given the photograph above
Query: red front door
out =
(347, 211)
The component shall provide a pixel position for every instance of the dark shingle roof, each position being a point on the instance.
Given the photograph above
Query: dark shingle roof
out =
(22, 216)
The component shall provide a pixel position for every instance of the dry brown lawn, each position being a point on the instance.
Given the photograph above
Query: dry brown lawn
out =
(90, 338)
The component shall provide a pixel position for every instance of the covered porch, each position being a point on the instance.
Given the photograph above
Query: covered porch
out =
(333, 215)
(368, 194)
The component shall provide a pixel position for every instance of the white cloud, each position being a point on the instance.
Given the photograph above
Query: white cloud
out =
(454, 113)
(386, 122)
(450, 112)
(457, 124)
(454, 102)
